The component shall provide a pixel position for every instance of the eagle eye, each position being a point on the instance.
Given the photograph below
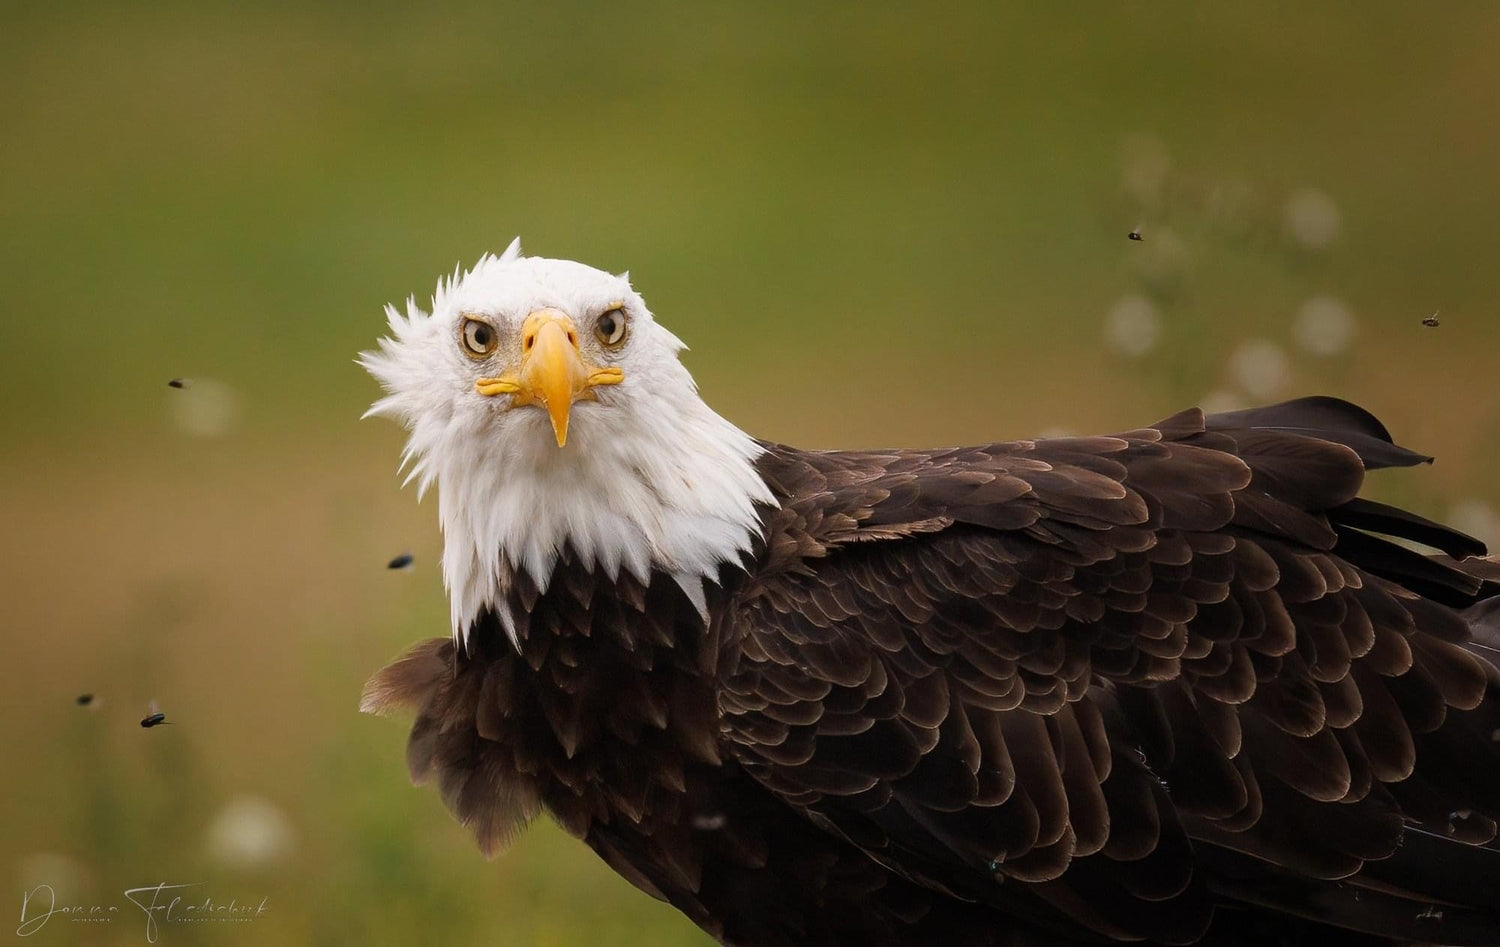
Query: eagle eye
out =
(610, 327)
(479, 337)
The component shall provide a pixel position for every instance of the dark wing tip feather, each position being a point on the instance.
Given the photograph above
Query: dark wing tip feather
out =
(1327, 418)
(1375, 517)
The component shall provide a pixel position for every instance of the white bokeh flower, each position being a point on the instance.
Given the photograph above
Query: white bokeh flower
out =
(1324, 326)
(1312, 218)
(1133, 326)
(250, 831)
(1260, 368)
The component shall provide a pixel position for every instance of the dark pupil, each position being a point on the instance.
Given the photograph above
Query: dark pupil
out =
(482, 336)
(607, 326)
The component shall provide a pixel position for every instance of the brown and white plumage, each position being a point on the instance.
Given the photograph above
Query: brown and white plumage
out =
(1173, 685)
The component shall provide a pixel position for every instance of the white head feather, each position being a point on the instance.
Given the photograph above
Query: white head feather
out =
(651, 479)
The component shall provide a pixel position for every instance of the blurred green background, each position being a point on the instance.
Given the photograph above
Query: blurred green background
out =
(875, 224)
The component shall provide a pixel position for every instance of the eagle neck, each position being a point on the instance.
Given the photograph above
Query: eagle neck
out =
(634, 502)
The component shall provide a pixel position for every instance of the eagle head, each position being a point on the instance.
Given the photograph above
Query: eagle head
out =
(553, 415)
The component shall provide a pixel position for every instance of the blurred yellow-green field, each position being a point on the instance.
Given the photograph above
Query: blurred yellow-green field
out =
(874, 224)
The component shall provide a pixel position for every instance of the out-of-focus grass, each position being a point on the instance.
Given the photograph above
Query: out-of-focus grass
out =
(875, 225)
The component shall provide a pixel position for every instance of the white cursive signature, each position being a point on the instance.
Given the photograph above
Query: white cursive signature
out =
(162, 903)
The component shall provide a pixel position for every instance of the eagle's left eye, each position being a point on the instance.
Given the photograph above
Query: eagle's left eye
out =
(479, 337)
(610, 328)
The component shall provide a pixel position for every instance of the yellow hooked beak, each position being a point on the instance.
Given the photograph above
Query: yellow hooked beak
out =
(553, 372)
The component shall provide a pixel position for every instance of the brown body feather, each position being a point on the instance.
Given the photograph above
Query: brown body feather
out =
(1167, 686)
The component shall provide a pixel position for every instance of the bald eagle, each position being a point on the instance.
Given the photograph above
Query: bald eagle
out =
(1179, 685)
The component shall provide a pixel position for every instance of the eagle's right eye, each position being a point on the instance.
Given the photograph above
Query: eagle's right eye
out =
(479, 337)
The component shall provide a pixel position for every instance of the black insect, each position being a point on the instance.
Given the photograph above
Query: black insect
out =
(83, 700)
(154, 716)
(1431, 321)
(402, 561)
(179, 383)
(1135, 234)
